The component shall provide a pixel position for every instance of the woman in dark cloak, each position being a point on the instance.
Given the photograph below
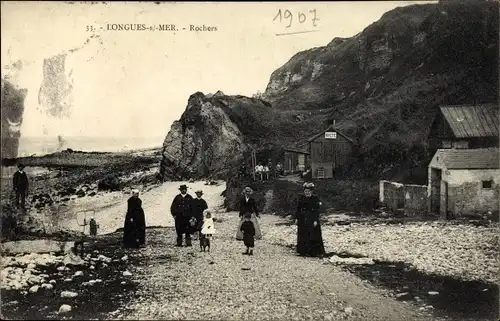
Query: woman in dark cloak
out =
(309, 237)
(134, 231)
(247, 205)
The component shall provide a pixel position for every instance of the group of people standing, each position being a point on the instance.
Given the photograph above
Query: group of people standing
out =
(192, 216)
(262, 171)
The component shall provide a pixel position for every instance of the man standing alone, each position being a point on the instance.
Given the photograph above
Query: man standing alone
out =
(20, 185)
(182, 211)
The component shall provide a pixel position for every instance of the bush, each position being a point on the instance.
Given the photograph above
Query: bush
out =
(335, 194)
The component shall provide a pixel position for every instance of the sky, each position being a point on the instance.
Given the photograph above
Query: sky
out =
(136, 83)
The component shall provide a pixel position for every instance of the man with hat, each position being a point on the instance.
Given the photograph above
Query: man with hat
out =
(20, 184)
(199, 205)
(182, 211)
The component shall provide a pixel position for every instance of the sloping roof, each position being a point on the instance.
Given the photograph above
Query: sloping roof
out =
(331, 128)
(302, 148)
(472, 120)
(297, 150)
(481, 158)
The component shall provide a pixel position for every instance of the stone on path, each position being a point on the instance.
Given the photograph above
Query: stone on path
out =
(34, 289)
(65, 308)
(348, 310)
(47, 286)
(68, 294)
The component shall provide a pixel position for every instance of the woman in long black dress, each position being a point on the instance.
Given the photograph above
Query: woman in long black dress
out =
(248, 205)
(134, 231)
(309, 237)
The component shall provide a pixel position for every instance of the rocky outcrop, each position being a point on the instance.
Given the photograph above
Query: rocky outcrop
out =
(12, 117)
(205, 140)
(216, 132)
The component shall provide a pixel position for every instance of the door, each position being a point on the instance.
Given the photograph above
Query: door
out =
(445, 200)
(435, 190)
(302, 162)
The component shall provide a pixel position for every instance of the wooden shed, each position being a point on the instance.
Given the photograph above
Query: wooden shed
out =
(296, 159)
(465, 127)
(329, 150)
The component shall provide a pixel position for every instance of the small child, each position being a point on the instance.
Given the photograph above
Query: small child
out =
(207, 230)
(248, 234)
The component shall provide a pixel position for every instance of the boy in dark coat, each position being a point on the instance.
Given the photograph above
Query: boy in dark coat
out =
(248, 230)
(182, 211)
(20, 184)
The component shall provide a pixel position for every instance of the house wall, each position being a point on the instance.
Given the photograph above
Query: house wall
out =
(466, 194)
(328, 168)
(415, 203)
(329, 154)
(298, 162)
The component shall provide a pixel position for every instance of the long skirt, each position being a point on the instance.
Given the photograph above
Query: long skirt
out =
(253, 219)
(310, 240)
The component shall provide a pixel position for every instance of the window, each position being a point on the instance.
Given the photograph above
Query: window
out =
(461, 144)
(445, 144)
(487, 184)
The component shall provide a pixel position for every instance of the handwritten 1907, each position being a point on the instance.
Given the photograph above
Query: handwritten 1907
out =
(301, 17)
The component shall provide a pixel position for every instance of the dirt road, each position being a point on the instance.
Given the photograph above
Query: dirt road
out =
(274, 283)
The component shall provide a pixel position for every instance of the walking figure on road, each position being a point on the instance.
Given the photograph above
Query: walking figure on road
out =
(248, 205)
(182, 211)
(93, 227)
(134, 230)
(20, 184)
(248, 234)
(309, 237)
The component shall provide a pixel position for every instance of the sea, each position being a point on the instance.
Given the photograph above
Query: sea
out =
(42, 145)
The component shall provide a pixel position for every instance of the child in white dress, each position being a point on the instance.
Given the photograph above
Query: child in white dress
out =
(207, 230)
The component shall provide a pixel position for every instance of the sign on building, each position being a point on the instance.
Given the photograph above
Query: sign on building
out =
(331, 135)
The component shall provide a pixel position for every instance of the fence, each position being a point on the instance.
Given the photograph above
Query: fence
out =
(410, 198)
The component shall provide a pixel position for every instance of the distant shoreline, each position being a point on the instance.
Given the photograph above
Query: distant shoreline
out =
(60, 158)
(32, 146)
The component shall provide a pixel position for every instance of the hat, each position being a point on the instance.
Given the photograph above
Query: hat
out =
(308, 185)
(21, 166)
(183, 187)
(135, 191)
(248, 188)
(199, 191)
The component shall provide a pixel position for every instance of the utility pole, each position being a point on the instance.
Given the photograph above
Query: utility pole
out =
(254, 163)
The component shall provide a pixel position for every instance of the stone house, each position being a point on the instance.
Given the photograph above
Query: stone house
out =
(464, 182)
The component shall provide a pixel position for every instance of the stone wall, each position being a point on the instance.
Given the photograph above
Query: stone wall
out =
(411, 198)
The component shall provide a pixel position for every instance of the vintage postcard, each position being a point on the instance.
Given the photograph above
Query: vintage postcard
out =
(250, 160)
